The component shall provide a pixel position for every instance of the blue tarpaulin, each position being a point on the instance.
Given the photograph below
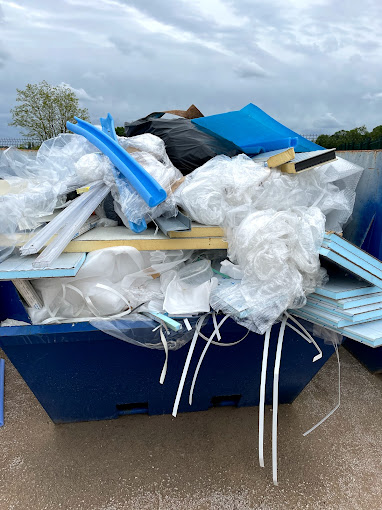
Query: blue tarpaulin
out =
(254, 131)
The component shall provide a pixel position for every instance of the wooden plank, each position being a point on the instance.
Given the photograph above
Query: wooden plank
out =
(106, 237)
(198, 230)
(203, 243)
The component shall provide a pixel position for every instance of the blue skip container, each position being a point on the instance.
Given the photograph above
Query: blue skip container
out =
(79, 373)
(365, 230)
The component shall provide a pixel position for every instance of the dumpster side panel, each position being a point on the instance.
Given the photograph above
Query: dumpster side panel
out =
(369, 357)
(88, 375)
(368, 201)
(365, 229)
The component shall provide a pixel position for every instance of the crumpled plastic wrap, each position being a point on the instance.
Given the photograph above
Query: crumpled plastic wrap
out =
(148, 143)
(278, 253)
(93, 167)
(187, 288)
(239, 186)
(38, 183)
(212, 190)
(137, 329)
(111, 281)
(152, 156)
(330, 187)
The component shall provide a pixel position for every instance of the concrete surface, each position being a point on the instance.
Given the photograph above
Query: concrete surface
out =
(199, 461)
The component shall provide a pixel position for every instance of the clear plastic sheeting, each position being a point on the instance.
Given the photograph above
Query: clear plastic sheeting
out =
(143, 332)
(34, 184)
(25, 210)
(111, 281)
(278, 253)
(152, 156)
(329, 187)
(223, 183)
(328, 336)
(187, 289)
(93, 167)
(148, 143)
(231, 270)
(37, 183)
(239, 186)
(131, 203)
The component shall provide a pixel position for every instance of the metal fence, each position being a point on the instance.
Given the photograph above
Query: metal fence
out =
(22, 143)
(311, 137)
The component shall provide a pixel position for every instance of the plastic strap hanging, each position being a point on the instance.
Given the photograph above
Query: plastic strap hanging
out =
(216, 332)
(114, 291)
(263, 381)
(90, 304)
(187, 364)
(308, 336)
(275, 403)
(339, 395)
(165, 346)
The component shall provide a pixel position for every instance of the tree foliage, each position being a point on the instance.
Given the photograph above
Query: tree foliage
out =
(356, 135)
(120, 131)
(45, 109)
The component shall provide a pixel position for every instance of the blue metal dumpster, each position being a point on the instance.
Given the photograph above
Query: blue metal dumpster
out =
(79, 373)
(365, 230)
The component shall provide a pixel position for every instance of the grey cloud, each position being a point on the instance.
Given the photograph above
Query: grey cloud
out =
(326, 121)
(127, 48)
(182, 14)
(250, 70)
(317, 59)
(377, 96)
(4, 57)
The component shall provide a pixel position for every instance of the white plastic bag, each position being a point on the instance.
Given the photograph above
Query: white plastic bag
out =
(329, 187)
(212, 190)
(111, 281)
(232, 270)
(187, 289)
(279, 255)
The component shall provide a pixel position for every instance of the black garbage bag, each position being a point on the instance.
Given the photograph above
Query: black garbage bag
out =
(187, 145)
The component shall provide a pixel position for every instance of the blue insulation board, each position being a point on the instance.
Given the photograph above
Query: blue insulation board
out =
(16, 267)
(343, 286)
(254, 131)
(79, 373)
(350, 302)
(351, 266)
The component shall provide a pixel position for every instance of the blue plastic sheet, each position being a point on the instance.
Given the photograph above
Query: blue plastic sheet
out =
(254, 131)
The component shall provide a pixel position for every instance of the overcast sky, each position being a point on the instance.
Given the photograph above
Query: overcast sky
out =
(314, 65)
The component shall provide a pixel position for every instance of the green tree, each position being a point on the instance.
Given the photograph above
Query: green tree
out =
(356, 135)
(120, 131)
(325, 141)
(376, 133)
(45, 109)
